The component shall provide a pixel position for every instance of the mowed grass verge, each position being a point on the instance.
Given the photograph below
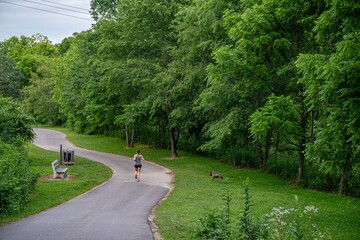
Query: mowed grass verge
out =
(85, 175)
(195, 193)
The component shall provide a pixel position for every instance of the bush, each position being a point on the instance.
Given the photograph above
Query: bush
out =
(16, 180)
(14, 124)
(214, 225)
(319, 179)
(240, 156)
(352, 183)
(283, 165)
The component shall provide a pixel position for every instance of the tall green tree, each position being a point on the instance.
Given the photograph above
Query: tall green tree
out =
(10, 77)
(198, 30)
(277, 125)
(82, 97)
(134, 48)
(34, 57)
(24, 51)
(39, 95)
(332, 85)
(266, 38)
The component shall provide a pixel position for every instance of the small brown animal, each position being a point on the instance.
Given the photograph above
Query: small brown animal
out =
(216, 175)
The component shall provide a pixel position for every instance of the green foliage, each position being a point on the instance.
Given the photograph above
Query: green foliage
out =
(103, 8)
(352, 183)
(264, 39)
(214, 225)
(284, 165)
(10, 78)
(38, 97)
(14, 125)
(35, 59)
(27, 53)
(332, 87)
(82, 98)
(280, 115)
(17, 181)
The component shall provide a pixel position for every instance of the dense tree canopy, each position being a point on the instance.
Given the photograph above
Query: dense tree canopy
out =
(268, 84)
(10, 78)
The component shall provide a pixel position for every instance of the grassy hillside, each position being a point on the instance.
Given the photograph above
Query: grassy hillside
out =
(195, 193)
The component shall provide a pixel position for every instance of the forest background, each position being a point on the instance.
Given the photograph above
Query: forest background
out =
(266, 84)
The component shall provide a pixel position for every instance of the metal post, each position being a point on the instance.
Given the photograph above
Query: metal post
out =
(61, 155)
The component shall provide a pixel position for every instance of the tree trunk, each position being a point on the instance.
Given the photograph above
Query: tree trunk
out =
(342, 180)
(301, 165)
(267, 148)
(51, 111)
(105, 130)
(173, 141)
(302, 142)
(261, 157)
(345, 167)
(233, 156)
(132, 138)
(312, 131)
(302, 149)
(129, 139)
(127, 136)
(52, 121)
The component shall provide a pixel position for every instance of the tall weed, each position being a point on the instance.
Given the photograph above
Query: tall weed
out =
(295, 223)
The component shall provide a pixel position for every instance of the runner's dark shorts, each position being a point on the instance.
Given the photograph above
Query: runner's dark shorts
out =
(138, 165)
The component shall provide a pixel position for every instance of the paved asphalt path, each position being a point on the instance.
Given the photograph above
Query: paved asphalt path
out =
(118, 209)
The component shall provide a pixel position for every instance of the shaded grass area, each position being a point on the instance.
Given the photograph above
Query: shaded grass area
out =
(195, 193)
(85, 175)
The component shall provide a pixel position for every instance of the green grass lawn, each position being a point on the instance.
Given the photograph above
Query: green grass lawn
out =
(195, 193)
(85, 175)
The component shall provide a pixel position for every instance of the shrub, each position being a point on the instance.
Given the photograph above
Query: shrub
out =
(16, 180)
(318, 178)
(283, 165)
(352, 183)
(14, 124)
(216, 223)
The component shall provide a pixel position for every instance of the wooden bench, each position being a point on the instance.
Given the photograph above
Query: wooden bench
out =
(57, 171)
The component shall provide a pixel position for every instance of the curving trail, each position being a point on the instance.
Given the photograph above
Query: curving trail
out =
(118, 209)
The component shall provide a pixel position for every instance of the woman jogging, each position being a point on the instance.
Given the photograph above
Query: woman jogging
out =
(138, 158)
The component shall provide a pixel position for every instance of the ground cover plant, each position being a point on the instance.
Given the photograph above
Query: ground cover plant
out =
(46, 193)
(195, 194)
